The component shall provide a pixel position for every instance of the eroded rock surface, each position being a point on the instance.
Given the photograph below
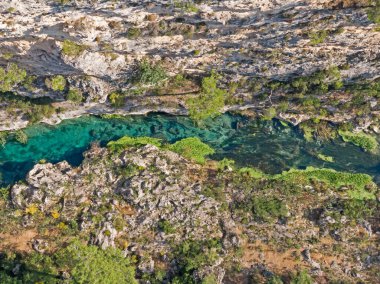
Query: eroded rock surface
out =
(243, 40)
(148, 201)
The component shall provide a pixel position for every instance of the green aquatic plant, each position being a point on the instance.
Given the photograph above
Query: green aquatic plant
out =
(192, 148)
(20, 136)
(3, 138)
(365, 141)
(325, 158)
(126, 141)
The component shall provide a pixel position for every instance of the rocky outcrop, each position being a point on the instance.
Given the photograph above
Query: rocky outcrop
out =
(148, 201)
(242, 40)
(140, 193)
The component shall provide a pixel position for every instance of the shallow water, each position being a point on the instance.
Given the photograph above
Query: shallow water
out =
(267, 145)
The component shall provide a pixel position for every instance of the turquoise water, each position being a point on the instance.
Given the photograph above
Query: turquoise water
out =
(268, 145)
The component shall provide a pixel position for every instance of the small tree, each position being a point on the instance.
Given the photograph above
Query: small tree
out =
(210, 102)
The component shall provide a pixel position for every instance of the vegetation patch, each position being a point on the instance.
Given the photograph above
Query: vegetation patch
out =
(268, 208)
(74, 95)
(20, 136)
(325, 158)
(192, 255)
(318, 37)
(10, 77)
(192, 148)
(328, 176)
(83, 264)
(149, 73)
(72, 49)
(166, 227)
(210, 102)
(374, 13)
(56, 83)
(365, 141)
(116, 99)
(186, 6)
(126, 141)
(133, 33)
(251, 172)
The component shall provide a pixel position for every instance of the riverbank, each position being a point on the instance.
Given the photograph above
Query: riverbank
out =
(270, 145)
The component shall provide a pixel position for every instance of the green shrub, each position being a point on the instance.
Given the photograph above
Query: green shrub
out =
(251, 172)
(365, 141)
(225, 164)
(186, 6)
(357, 209)
(192, 255)
(269, 113)
(166, 227)
(318, 37)
(71, 48)
(74, 95)
(11, 77)
(374, 13)
(90, 264)
(28, 83)
(192, 148)
(126, 141)
(209, 103)
(117, 99)
(56, 83)
(302, 278)
(268, 208)
(318, 82)
(133, 33)
(210, 279)
(37, 112)
(149, 73)
(275, 280)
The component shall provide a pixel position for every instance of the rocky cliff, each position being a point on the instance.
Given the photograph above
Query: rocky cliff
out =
(301, 59)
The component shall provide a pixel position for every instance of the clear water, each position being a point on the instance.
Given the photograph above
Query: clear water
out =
(266, 145)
